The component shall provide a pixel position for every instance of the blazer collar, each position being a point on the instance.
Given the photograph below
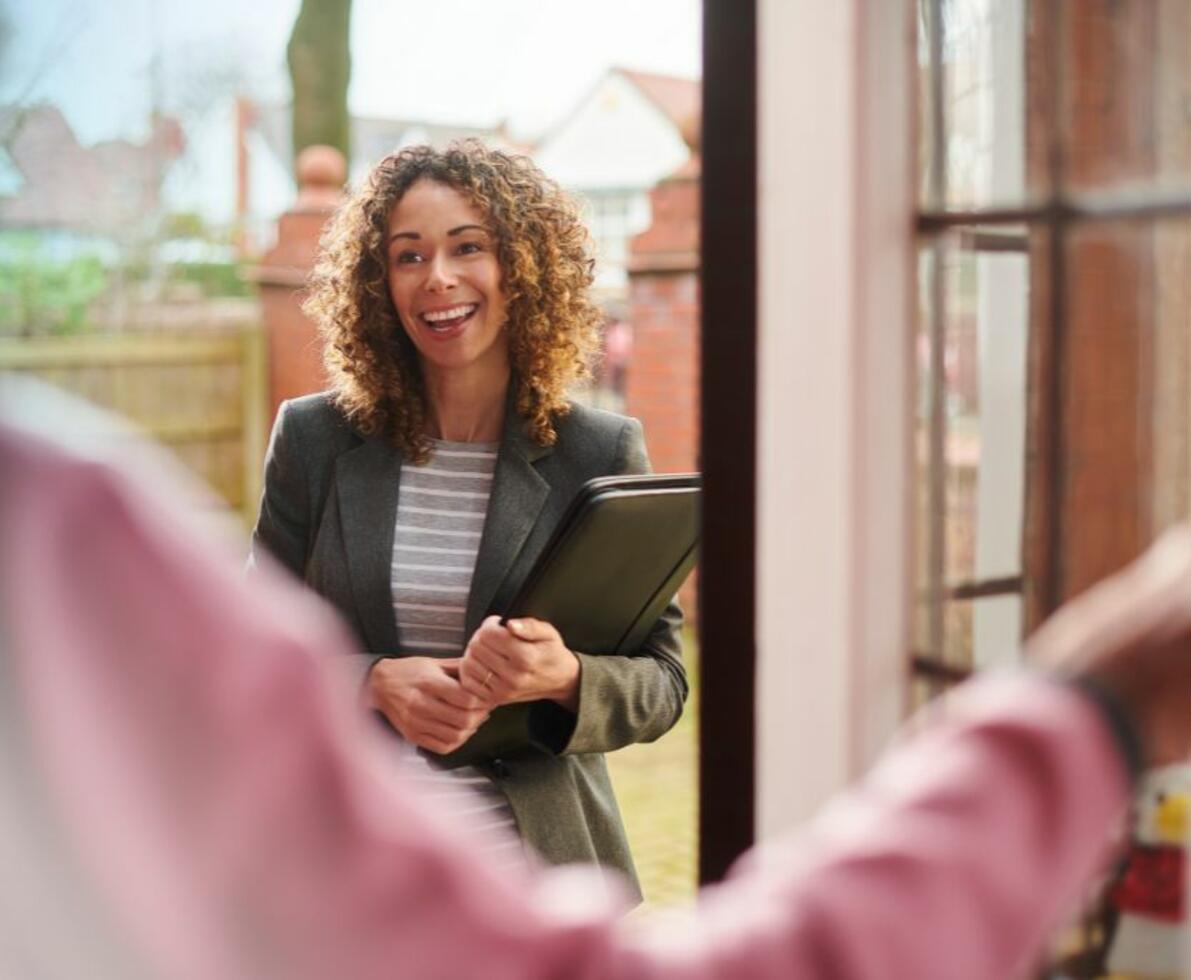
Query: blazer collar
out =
(519, 492)
(367, 478)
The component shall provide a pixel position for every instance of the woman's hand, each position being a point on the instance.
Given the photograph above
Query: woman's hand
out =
(523, 661)
(423, 699)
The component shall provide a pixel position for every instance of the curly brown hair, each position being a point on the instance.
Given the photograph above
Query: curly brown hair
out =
(546, 269)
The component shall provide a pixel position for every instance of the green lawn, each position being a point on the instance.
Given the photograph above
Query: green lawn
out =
(658, 789)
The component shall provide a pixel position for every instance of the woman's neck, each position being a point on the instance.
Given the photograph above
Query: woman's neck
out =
(464, 408)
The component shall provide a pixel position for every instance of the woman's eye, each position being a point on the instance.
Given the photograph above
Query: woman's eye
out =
(405, 258)
(470, 248)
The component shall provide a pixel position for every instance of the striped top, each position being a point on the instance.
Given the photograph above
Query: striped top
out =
(440, 515)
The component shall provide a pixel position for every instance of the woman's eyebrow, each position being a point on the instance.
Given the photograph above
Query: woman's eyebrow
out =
(451, 233)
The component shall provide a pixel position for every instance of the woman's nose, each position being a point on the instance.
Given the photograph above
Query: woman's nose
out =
(439, 274)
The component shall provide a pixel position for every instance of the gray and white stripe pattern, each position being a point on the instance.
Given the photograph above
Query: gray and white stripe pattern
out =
(440, 516)
(441, 508)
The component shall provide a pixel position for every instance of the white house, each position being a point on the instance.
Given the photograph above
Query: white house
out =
(631, 130)
(628, 132)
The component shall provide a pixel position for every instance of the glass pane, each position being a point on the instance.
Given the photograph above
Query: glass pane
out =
(1126, 90)
(983, 633)
(1170, 375)
(971, 402)
(1127, 407)
(972, 97)
(927, 622)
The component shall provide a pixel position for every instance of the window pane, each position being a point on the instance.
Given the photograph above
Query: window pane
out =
(972, 73)
(1170, 374)
(928, 578)
(983, 633)
(971, 417)
(1128, 405)
(1126, 93)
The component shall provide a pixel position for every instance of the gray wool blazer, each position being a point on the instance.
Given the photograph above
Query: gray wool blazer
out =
(328, 514)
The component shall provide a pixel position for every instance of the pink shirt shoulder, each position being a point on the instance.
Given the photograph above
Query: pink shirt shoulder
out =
(225, 797)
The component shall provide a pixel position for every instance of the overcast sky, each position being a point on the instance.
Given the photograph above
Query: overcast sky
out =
(462, 61)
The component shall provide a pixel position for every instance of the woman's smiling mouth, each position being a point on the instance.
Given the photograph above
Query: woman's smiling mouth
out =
(442, 321)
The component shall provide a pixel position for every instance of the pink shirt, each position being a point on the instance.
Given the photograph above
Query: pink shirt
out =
(237, 820)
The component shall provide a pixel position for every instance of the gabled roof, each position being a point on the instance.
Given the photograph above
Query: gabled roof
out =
(107, 187)
(680, 99)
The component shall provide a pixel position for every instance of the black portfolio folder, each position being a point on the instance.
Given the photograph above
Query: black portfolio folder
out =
(617, 557)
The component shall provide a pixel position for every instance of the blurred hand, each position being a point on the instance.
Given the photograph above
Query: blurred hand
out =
(523, 661)
(1131, 633)
(423, 699)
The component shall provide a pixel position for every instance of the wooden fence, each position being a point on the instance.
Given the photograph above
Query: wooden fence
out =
(202, 394)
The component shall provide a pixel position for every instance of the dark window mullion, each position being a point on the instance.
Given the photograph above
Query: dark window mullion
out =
(1134, 205)
(984, 588)
(929, 667)
(1049, 590)
(728, 325)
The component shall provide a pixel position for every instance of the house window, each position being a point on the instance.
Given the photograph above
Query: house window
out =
(613, 217)
(1053, 350)
(1052, 342)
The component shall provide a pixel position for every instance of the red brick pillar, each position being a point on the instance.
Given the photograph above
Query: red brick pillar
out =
(662, 378)
(294, 349)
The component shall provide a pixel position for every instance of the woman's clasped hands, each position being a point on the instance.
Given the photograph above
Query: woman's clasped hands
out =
(522, 660)
(438, 704)
(422, 698)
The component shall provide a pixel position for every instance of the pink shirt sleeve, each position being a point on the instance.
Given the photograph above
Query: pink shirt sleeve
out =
(227, 800)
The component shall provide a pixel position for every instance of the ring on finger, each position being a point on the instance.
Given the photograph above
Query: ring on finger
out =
(488, 679)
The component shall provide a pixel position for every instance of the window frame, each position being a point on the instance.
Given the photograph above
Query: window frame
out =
(1058, 213)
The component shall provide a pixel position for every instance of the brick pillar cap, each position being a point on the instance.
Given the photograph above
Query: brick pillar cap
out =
(322, 172)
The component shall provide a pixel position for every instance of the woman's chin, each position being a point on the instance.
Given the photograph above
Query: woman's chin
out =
(463, 355)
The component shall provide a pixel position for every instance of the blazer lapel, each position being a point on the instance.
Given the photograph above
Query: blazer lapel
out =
(366, 479)
(519, 492)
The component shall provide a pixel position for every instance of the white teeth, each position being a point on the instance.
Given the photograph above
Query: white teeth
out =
(453, 313)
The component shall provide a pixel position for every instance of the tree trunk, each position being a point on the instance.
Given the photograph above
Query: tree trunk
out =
(320, 69)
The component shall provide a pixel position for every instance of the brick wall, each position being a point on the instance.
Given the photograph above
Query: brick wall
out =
(662, 378)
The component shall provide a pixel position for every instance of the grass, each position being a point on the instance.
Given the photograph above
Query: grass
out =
(657, 785)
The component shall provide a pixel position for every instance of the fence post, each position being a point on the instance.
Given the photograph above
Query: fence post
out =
(253, 421)
(294, 351)
(662, 379)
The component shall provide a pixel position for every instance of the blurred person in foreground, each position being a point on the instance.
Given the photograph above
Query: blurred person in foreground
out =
(452, 294)
(187, 789)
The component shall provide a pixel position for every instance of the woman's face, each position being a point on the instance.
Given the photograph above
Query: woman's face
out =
(445, 281)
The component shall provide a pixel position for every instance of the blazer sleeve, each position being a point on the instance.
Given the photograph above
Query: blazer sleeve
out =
(623, 699)
(283, 524)
(289, 513)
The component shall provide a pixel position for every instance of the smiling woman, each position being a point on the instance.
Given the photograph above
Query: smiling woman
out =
(416, 494)
(495, 203)
(445, 283)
